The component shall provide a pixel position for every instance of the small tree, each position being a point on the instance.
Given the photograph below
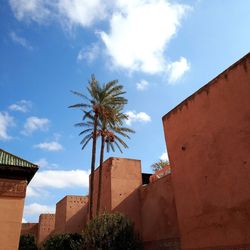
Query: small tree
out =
(27, 242)
(111, 232)
(68, 241)
(159, 165)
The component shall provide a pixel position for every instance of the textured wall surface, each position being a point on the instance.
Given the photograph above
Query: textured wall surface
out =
(105, 204)
(208, 140)
(70, 215)
(12, 194)
(45, 228)
(158, 212)
(29, 228)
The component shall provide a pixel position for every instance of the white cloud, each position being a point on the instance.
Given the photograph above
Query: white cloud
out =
(35, 10)
(68, 12)
(140, 31)
(20, 40)
(164, 157)
(142, 85)
(23, 220)
(50, 146)
(42, 163)
(60, 179)
(37, 209)
(34, 123)
(89, 54)
(6, 121)
(137, 117)
(31, 192)
(21, 106)
(81, 12)
(177, 69)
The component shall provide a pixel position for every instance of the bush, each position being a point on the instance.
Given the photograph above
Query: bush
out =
(27, 242)
(110, 232)
(66, 241)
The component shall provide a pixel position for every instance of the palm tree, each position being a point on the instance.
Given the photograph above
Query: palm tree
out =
(111, 128)
(159, 165)
(101, 100)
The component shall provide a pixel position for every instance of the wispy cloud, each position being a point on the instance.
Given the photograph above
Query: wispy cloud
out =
(31, 192)
(178, 69)
(50, 146)
(21, 106)
(35, 10)
(68, 12)
(142, 85)
(34, 123)
(164, 156)
(89, 54)
(37, 209)
(20, 40)
(43, 163)
(133, 116)
(6, 121)
(81, 12)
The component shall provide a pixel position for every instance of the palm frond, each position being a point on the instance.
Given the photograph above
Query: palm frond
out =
(86, 138)
(80, 94)
(80, 105)
(86, 131)
(86, 142)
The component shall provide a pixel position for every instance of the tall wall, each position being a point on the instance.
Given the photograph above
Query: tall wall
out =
(126, 178)
(105, 204)
(12, 194)
(120, 183)
(151, 207)
(45, 228)
(71, 214)
(208, 140)
(30, 228)
(158, 215)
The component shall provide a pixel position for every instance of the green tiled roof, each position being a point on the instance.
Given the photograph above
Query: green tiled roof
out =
(7, 159)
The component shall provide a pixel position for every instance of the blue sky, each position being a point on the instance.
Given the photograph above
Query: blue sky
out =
(161, 51)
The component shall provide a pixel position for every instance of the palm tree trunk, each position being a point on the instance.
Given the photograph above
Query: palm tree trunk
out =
(100, 175)
(92, 168)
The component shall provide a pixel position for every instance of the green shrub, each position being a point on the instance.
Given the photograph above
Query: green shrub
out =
(110, 232)
(66, 241)
(27, 242)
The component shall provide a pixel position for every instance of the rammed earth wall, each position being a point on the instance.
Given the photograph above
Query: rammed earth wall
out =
(208, 139)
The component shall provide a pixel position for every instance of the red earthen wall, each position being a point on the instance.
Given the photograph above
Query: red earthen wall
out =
(158, 215)
(70, 214)
(105, 204)
(76, 213)
(46, 227)
(60, 219)
(29, 228)
(12, 194)
(208, 140)
(126, 179)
